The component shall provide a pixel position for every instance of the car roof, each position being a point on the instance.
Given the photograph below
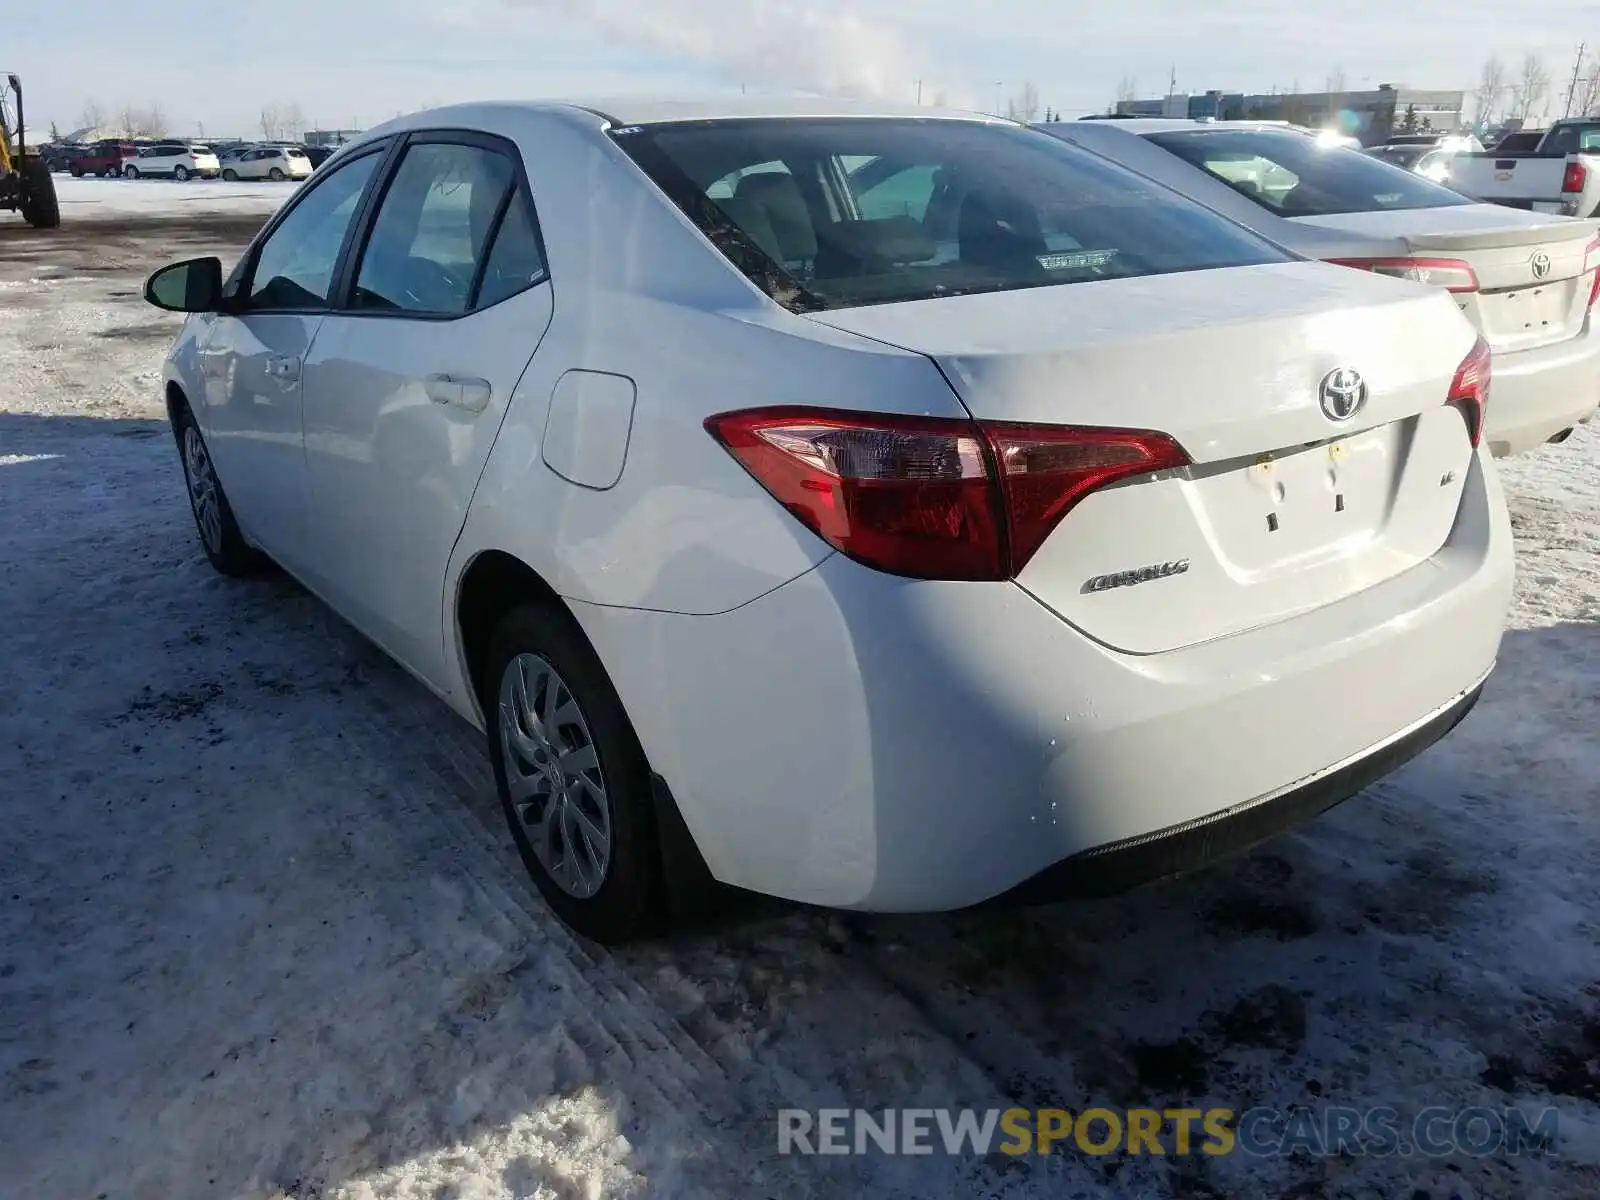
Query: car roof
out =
(645, 110)
(1144, 125)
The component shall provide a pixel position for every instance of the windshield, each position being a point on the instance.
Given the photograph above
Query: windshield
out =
(1294, 177)
(836, 213)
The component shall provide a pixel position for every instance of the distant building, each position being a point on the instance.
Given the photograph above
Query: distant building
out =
(1372, 116)
(331, 138)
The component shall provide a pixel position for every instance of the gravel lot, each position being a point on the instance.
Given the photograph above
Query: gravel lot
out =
(262, 933)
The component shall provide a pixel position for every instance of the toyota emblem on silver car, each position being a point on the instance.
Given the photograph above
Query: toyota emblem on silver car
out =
(1342, 393)
(1540, 262)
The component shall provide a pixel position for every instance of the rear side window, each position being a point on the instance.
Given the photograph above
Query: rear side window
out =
(516, 259)
(1292, 175)
(450, 211)
(837, 213)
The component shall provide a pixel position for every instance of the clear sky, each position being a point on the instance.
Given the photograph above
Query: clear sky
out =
(216, 63)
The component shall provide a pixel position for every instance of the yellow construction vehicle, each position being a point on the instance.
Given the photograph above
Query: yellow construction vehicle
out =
(26, 184)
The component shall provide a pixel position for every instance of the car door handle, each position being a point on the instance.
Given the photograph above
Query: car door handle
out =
(283, 366)
(460, 392)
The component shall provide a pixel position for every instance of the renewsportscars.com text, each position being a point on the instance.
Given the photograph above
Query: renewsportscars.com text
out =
(1264, 1132)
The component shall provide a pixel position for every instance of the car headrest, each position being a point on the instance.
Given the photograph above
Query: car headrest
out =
(753, 222)
(996, 229)
(779, 195)
(883, 241)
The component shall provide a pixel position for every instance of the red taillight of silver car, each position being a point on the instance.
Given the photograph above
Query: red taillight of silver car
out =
(1469, 390)
(1452, 274)
(933, 497)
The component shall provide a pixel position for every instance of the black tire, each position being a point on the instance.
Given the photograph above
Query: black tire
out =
(227, 551)
(275, 175)
(130, 172)
(628, 903)
(180, 173)
(39, 205)
(75, 171)
(230, 175)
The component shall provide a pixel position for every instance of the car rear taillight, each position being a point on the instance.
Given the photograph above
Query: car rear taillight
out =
(933, 497)
(1591, 263)
(1452, 274)
(1469, 390)
(1575, 177)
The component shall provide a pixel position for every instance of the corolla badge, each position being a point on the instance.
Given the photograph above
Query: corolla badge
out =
(1342, 393)
(1120, 579)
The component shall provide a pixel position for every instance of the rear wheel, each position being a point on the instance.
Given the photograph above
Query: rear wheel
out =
(40, 207)
(224, 545)
(230, 175)
(275, 175)
(572, 777)
(180, 173)
(130, 171)
(75, 171)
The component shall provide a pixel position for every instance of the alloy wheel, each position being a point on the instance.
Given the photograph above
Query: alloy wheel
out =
(553, 774)
(205, 493)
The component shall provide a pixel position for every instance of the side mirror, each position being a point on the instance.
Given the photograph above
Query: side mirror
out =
(193, 286)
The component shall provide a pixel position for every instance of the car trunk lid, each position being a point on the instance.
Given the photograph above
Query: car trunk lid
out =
(1284, 509)
(1534, 272)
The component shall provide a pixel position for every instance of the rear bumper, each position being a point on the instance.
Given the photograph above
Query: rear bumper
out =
(1536, 394)
(1107, 870)
(861, 741)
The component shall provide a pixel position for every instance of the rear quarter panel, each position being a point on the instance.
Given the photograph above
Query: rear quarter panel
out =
(639, 293)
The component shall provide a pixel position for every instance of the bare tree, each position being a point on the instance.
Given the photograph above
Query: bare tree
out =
(1532, 89)
(1491, 89)
(153, 120)
(1024, 108)
(1127, 88)
(93, 115)
(271, 123)
(1588, 97)
(293, 121)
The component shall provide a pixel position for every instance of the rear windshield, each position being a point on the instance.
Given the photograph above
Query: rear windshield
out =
(838, 213)
(1293, 176)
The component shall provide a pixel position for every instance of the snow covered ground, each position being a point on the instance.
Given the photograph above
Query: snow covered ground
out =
(89, 198)
(262, 933)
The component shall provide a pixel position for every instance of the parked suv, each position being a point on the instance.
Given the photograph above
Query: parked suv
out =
(105, 159)
(180, 160)
(269, 162)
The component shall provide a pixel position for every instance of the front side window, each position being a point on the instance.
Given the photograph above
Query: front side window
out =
(432, 229)
(1293, 176)
(296, 263)
(836, 213)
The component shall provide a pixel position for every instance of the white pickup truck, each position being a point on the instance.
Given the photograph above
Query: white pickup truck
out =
(1561, 176)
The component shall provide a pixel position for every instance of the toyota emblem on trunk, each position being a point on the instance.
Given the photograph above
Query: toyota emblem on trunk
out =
(1540, 262)
(1342, 393)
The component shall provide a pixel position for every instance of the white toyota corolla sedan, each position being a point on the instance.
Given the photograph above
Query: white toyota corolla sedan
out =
(884, 510)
